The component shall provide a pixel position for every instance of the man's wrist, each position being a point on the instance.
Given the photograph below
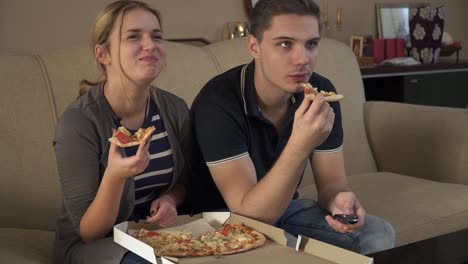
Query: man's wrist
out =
(297, 149)
(327, 199)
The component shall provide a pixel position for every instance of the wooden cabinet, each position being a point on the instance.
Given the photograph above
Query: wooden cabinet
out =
(437, 84)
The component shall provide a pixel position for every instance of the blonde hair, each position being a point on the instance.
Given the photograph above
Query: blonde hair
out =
(105, 23)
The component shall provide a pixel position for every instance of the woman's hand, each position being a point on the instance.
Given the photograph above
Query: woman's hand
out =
(102, 212)
(163, 210)
(125, 167)
(346, 203)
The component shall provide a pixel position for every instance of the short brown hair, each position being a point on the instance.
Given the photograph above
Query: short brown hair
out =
(264, 11)
(105, 23)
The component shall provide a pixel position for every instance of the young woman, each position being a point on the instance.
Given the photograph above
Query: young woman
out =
(104, 184)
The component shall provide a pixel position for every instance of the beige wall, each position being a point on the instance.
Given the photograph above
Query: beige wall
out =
(38, 26)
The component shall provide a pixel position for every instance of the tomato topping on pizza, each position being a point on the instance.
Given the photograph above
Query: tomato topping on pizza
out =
(308, 90)
(123, 138)
(225, 231)
(152, 233)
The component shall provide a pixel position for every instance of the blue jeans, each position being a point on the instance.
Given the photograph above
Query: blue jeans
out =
(132, 258)
(305, 217)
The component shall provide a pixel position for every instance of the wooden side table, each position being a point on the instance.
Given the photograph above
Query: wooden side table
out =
(443, 84)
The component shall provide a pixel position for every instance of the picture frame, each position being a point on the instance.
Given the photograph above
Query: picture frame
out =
(393, 19)
(357, 45)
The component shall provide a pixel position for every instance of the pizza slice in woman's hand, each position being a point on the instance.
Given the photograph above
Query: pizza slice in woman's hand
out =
(310, 92)
(123, 138)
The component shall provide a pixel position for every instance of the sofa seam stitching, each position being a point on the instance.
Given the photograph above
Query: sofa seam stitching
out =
(464, 152)
(367, 129)
(49, 86)
(213, 58)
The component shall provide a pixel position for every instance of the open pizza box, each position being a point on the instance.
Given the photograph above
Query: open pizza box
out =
(280, 247)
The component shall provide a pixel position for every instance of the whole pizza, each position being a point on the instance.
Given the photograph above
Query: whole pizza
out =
(230, 239)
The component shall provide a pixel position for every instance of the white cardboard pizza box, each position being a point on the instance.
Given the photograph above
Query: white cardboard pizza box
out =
(280, 246)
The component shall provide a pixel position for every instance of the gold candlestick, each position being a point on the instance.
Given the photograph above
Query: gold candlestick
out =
(339, 20)
(325, 15)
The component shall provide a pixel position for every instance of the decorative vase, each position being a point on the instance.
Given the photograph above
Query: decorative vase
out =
(426, 29)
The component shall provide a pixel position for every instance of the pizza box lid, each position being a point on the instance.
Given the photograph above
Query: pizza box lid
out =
(280, 247)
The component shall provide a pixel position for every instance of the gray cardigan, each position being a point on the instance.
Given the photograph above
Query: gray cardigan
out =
(82, 147)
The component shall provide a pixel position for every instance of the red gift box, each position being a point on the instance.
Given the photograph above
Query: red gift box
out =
(390, 48)
(378, 50)
(400, 47)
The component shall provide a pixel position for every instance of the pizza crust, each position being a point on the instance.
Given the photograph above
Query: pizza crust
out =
(120, 144)
(330, 98)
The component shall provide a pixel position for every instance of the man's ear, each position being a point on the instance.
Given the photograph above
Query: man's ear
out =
(253, 46)
(102, 54)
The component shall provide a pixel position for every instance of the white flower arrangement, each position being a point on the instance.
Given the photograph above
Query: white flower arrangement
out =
(441, 13)
(419, 32)
(425, 13)
(433, 13)
(426, 55)
(415, 54)
(412, 13)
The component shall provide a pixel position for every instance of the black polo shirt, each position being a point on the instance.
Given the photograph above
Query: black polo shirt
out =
(229, 124)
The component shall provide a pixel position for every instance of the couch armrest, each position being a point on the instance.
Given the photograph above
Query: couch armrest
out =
(421, 141)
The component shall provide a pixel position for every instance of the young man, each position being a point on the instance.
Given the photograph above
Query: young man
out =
(256, 133)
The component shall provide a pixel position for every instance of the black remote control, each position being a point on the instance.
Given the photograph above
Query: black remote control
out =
(346, 218)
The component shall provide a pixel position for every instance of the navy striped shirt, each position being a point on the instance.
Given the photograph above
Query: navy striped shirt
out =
(157, 177)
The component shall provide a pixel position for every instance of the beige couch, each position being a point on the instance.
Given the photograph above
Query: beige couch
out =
(407, 163)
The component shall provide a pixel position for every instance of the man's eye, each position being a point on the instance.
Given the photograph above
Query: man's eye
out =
(285, 44)
(312, 44)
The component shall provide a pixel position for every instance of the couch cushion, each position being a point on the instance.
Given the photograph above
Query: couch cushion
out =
(28, 173)
(25, 246)
(435, 151)
(338, 63)
(223, 55)
(188, 69)
(418, 209)
(65, 69)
